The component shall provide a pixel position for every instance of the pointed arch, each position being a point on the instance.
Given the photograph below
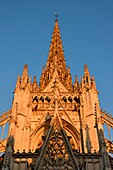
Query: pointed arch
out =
(56, 152)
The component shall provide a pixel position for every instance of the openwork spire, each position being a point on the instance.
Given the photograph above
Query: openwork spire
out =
(56, 53)
(56, 61)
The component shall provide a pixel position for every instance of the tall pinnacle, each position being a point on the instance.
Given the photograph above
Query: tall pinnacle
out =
(56, 61)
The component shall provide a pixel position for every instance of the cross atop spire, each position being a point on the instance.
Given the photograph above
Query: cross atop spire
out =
(56, 15)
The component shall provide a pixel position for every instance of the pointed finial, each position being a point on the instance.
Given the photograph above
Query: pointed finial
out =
(86, 68)
(76, 83)
(18, 81)
(93, 83)
(56, 16)
(76, 79)
(25, 74)
(35, 84)
(86, 75)
(35, 81)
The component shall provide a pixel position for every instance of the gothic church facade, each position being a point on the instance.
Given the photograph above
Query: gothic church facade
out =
(56, 124)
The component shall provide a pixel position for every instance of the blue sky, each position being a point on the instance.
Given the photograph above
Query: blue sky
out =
(87, 33)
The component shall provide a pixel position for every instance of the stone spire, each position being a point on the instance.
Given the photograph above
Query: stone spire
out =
(86, 75)
(24, 78)
(93, 83)
(18, 82)
(35, 85)
(86, 80)
(76, 84)
(24, 81)
(56, 54)
(56, 61)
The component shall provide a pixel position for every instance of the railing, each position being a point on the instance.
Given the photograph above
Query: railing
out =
(26, 161)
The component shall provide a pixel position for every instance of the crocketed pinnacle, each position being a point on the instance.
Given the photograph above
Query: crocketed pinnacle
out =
(24, 81)
(56, 61)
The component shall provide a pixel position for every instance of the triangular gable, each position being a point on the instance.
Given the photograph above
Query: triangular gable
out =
(56, 151)
(49, 87)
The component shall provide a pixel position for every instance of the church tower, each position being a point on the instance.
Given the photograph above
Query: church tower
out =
(55, 124)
